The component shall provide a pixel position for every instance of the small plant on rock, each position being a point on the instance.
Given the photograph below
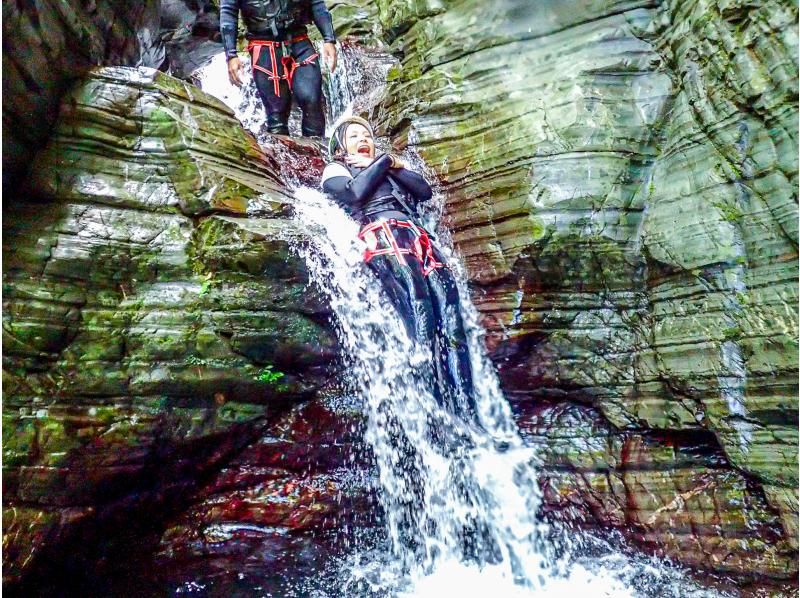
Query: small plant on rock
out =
(268, 375)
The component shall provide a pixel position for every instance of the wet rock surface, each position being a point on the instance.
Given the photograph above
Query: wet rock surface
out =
(150, 327)
(190, 31)
(49, 45)
(276, 514)
(621, 182)
(669, 492)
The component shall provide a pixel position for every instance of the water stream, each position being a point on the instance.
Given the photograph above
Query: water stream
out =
(459, 501)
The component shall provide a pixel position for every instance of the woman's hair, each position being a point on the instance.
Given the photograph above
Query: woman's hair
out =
(336, 144)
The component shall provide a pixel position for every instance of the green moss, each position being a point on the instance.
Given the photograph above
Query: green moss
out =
(395, 73)
(19, 440)
(732, 333)
(268, 376)
(583, 263)
(233, 412)
(208, 280)
(730, 213)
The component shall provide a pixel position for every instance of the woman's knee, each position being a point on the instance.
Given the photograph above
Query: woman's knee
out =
(307, 85)
(308, 99)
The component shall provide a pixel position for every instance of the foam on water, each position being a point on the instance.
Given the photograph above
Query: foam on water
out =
(453, 578)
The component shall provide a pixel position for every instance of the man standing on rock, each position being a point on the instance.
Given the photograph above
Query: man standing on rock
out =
(284, 60)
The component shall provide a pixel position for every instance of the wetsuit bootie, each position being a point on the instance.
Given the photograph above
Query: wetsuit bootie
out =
(278, 130)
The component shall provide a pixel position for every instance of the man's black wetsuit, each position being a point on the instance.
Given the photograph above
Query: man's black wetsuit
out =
(277, 76)
(411, 268)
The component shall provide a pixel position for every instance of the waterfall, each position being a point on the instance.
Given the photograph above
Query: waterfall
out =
(459, 500)
(450, 491)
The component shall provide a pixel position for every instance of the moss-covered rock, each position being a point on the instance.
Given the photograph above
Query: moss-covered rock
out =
(141, 324)
(621, 181)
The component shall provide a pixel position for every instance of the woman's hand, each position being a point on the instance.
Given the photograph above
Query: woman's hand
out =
(329, 55)
(358, 160)
(235, 70)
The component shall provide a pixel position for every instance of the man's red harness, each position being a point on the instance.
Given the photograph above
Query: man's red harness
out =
(422, 248)
(290, 65)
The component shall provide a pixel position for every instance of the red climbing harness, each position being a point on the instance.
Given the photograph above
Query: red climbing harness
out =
(290, 65)
(386, 243)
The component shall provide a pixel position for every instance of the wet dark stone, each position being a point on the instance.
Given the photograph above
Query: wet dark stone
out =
(190, 30)
(47, 46)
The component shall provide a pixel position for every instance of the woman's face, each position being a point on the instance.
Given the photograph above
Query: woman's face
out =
(358, 140)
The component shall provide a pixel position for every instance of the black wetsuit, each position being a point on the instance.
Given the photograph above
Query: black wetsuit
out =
(306, 80)
(422, 289)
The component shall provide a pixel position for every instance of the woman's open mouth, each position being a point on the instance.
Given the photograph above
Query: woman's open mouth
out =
(363, 149)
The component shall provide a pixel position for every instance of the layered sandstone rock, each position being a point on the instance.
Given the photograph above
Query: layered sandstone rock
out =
(621, 181)
(150, 326)
(47, 46)
(673, 493)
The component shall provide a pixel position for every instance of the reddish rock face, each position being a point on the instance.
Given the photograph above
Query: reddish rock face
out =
(268, 512)
(300, 161)
(669, 492)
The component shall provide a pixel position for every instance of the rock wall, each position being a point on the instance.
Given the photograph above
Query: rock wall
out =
(190, 30)
(621, 181)
(47, 46)
(152, 326)
(274, 518)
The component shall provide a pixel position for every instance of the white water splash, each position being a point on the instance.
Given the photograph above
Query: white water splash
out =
(244, 101)
(460, 501)
(447, 491)
(440, 479)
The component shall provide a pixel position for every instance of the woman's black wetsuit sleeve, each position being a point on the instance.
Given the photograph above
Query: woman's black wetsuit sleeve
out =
(412, 182)
(323, 20)
(354, 192)
(228, 25)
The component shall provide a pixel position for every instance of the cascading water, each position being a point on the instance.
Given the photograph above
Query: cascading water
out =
(447, 491)
(459, 501)
(357, 81)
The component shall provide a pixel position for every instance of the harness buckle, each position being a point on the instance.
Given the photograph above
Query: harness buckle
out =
(422, 248)
(289, 64)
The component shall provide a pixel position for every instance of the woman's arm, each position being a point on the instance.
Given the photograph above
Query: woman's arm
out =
(354, 191)
(412, 182)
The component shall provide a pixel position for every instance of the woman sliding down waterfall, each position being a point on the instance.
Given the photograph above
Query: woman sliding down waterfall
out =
(382, 195)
